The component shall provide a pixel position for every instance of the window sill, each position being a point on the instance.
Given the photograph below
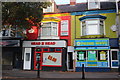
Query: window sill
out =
(49, 37)
(93, 36)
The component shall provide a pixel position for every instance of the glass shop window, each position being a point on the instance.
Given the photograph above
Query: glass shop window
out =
(81, 55)
(45, 49)
(27, 56)
(52, 49)
(102, 55)
(38, 50)
(58, 49)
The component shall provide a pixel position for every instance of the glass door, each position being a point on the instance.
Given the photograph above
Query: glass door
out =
(114, 58)
(37, 59)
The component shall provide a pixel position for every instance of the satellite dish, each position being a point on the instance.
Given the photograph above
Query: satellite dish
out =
(114, 28)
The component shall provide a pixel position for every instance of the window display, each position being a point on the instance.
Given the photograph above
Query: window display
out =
(92, 55)
(81, 55)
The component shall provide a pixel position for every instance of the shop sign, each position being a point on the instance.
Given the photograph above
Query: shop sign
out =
(92, 42)
(60, 43)
(92, 48)
(10, 43)
(52, 59)
(92, 64)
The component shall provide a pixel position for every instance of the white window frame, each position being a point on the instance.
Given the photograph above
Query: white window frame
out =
(90, 6)
(92, 24)
(51, 34)
(117, 57)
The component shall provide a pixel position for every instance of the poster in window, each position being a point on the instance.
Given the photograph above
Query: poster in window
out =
(52, 59)
(102, 55)
(92, 55)
(81, 55)
(64, 27)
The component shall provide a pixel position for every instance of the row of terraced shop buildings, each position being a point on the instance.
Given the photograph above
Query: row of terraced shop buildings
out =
(70, 35)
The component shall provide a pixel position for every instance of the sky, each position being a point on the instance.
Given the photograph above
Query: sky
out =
(77, 1)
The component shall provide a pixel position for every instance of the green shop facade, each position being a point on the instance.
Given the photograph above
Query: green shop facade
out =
(95, 40)
(93, 53)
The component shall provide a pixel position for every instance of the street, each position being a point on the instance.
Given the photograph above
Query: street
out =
(50, 75)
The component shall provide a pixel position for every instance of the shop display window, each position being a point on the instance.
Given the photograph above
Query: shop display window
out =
(92, 55)
(102, 55)
(81, 55)
(52, 49)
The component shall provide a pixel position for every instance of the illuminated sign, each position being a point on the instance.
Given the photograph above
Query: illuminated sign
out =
(92, 42)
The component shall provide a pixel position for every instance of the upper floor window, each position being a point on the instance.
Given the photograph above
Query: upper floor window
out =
(93, 4)
(7, 31)
(92, 25)
(49, 29)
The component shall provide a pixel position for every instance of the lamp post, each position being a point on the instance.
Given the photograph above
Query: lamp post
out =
(118, 30)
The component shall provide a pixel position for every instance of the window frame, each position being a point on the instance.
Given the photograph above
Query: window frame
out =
(51, 27)
(98, 4)
(86, 26)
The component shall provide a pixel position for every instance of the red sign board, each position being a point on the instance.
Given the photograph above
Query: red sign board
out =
(32, 33)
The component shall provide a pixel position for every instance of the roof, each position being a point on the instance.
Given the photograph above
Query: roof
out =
(84, 6)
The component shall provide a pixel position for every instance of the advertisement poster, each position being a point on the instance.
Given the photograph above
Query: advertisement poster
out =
(81, 55)
(52, 59)
(102, 55)
(92, 55)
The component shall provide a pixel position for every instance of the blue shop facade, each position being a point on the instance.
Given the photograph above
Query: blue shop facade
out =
(95, 54)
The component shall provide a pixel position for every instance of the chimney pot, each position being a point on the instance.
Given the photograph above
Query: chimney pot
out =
(72, 2)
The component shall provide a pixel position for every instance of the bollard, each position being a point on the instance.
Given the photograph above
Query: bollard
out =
(83, 72)
(38, 71)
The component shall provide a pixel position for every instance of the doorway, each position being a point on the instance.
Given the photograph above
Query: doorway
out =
(70, 61)
(17, 60)
(114, 58)
(38, 58)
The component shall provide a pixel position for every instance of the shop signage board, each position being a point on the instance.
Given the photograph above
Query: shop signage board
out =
(52, 59)
(51, 43)
(10, 43)
(92, 42)
(92, 48)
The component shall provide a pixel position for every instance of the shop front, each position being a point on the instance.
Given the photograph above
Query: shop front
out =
(11, 53)
(93, 53)
(51, 55)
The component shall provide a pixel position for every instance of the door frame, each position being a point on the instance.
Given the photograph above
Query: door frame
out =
(111, 56)
(35, 61)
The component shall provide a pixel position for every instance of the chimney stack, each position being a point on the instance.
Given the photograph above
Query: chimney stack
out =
(72, 2)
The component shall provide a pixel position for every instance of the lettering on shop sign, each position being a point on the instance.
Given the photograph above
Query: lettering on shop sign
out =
(52, 58)
(43, 43)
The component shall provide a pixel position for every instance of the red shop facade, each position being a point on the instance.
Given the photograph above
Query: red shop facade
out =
(51, 54)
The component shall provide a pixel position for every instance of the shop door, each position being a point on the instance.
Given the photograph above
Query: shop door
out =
(70, 61)
(37, 59)
(114, 58)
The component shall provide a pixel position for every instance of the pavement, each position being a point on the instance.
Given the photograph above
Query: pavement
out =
(57, 75)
